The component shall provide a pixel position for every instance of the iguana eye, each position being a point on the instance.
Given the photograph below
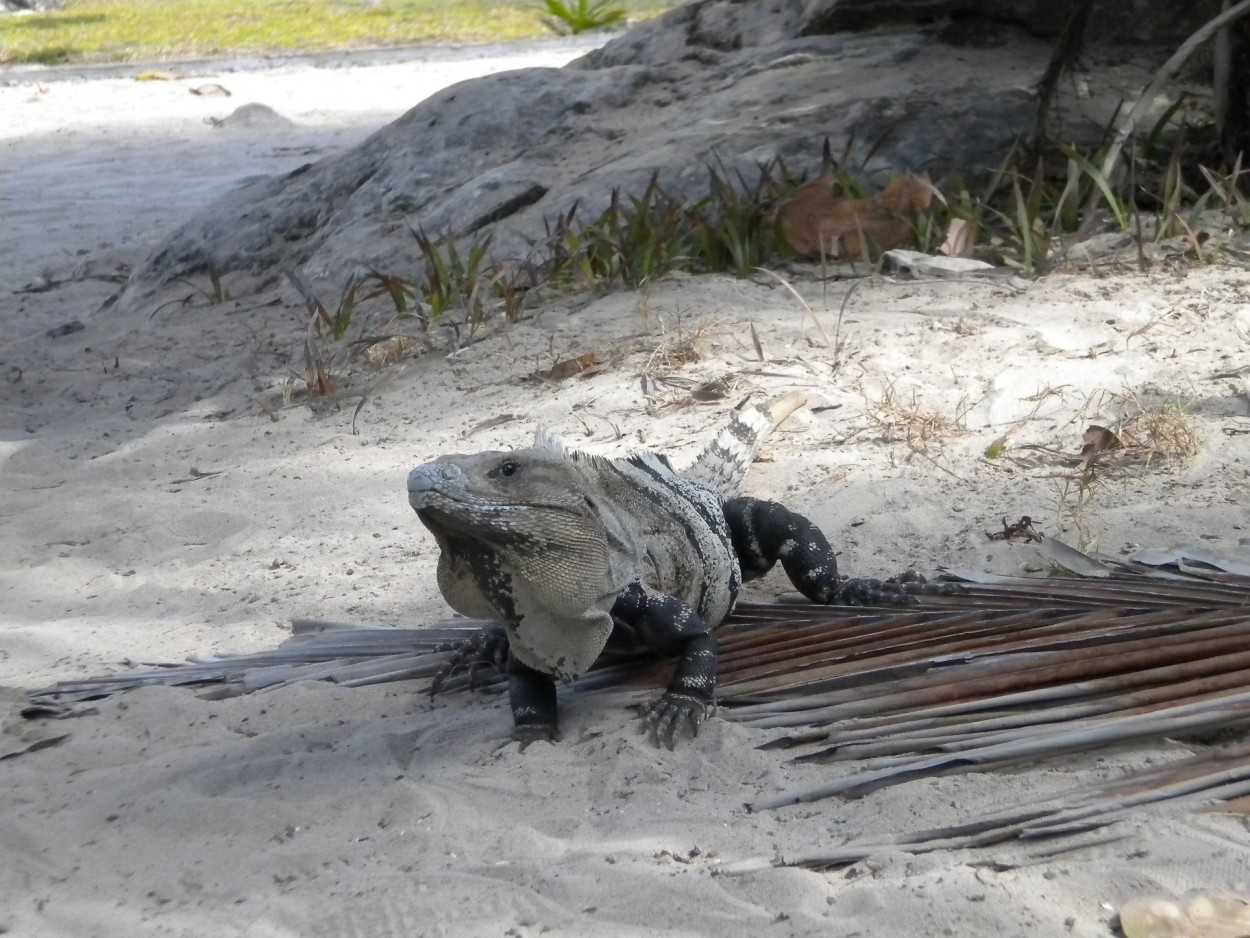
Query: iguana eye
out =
(508, 469)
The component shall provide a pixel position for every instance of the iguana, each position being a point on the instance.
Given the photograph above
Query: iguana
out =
(567, 548)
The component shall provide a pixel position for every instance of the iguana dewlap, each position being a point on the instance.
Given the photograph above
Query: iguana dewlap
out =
(564, 548)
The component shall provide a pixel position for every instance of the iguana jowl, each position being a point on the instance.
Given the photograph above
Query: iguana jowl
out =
(566, 548)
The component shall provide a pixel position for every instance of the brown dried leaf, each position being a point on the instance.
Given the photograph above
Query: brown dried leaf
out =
(1022, 529)
(755, 340)
(390, 351)
(19, 731)
(1098, 440)
(816, 225)
(715, 390)
(1235, 806)
(569, 367)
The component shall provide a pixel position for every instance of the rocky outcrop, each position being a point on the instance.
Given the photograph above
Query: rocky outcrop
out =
(945, 87)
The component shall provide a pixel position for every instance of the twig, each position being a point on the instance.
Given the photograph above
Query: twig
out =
(1128, 124)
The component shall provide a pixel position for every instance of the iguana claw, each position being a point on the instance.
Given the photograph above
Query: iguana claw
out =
(665, 716)
(485, 648)
(526, 733)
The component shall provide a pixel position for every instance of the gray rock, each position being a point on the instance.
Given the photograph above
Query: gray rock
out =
(252, 117)
(741, 82)
(934, 265)
(1123, 21)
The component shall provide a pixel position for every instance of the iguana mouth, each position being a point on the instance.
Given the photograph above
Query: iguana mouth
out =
(438, 482)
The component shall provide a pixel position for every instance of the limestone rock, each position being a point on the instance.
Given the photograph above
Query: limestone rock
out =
(740, 82)
(252, 117)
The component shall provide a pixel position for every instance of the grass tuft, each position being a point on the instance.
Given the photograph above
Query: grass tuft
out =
(907, 419)
(580, 16)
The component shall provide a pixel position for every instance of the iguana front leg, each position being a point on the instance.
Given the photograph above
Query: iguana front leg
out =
(531, 693)
(670, 628)
(764, 532)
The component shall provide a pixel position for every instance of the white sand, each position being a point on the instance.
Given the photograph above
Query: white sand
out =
(326, 811)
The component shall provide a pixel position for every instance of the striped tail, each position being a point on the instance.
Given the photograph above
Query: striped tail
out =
(724, 464)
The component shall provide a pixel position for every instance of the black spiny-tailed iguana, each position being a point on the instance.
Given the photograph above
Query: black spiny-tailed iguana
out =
(567, 548)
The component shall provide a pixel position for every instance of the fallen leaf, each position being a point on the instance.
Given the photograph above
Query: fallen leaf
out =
(817, 225)
(996, 449)
(1235, 806)
(569, 367)
(715, 390)
(755, 340)
(20, 733)
(960, 237)
(1098, 440)
(1022, 529)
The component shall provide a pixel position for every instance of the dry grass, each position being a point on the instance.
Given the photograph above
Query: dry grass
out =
(904, 418)
(1149, 427)
(679, 345)
(1167, 433)
(391, 350)
(1150, 430)
(667, 389)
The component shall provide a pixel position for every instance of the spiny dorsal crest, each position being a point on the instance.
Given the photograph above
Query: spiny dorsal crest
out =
(723, 465)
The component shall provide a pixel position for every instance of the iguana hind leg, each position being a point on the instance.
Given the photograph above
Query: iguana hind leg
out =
(764, 532)
(669, 627)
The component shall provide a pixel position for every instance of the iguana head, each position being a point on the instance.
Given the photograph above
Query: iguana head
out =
(532, 509)
(523, 530)
(526, 497)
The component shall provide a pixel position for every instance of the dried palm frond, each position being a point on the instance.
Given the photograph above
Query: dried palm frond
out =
(1007, 670)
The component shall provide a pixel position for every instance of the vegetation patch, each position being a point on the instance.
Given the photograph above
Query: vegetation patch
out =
(464, 291)
(138, 30)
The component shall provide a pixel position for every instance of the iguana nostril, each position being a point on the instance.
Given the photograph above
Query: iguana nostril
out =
(426, 478)
(421, 480)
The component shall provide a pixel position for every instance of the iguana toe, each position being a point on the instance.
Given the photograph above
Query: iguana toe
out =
(902, 590)
(486, 648)
(665, 717)
(526, 733)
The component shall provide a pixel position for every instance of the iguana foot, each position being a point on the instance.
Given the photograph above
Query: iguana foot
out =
(485, 648)
(666, 716)
(526, 733)
(901, 590)
(533, 698)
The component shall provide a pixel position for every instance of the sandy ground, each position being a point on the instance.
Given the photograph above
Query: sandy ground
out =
(159, 500)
